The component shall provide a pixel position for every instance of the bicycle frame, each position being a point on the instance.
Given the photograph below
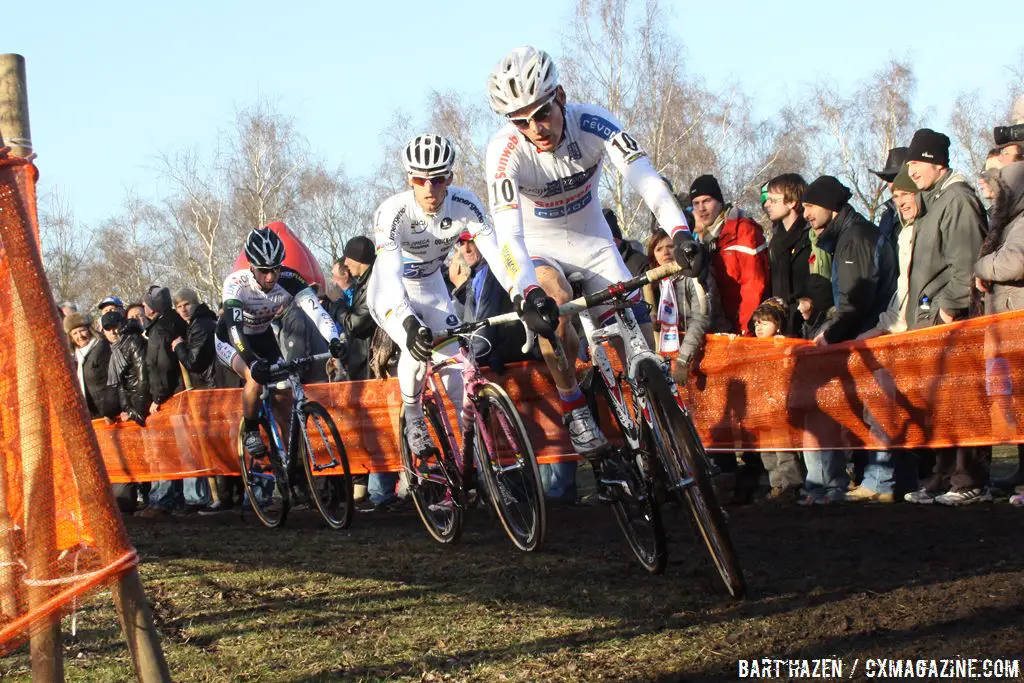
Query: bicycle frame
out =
(625, 327)
(472, 380)
(299, 402)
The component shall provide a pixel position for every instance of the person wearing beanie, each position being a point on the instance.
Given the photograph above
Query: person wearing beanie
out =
(863, 282)
(738, 254)
(163, 326)
(949, 232)
(863, 270)
(352, 313)
(196, 351)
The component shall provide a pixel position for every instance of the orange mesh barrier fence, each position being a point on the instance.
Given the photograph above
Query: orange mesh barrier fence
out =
(60, 532)
(955, 384)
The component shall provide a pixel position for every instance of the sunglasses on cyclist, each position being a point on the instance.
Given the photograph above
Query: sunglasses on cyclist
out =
(436, 181)
(267, 271)
(541, 114)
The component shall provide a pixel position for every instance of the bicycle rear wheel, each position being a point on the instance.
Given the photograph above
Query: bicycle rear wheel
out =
(322, 448)
(509, 469)
(265, 480)
(635, 506)
(684, 459)
(434, 483)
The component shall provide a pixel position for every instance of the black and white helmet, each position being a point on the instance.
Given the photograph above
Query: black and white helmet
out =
(429, 155)
(264, 248)
(526, 75)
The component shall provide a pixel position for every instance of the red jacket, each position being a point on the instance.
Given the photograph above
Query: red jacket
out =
(739, 258)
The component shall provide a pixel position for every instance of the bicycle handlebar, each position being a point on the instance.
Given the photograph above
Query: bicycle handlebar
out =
(296, 364)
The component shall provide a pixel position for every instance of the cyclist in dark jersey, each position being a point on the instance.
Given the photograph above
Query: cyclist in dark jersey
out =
(253, 297)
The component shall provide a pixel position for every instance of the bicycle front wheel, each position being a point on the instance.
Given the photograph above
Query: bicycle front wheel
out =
(509, 469)
(628, 476)
(684, 460)
(434, 481)
(265, 479)
(322, 449)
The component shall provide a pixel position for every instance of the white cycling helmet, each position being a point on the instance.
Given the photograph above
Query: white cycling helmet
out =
(429, 155)
(526, 75)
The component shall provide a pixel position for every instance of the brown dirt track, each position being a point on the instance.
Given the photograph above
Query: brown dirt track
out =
(383, 602)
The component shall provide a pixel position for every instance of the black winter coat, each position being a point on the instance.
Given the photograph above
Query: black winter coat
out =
(129, 374)
(100, 398)
(358, 326)
(162, 363)
(199, 352)
(863, 273)
(789, 252)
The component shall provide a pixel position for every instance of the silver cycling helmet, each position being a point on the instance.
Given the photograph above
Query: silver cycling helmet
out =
(264, 248)
(428, 156)
(526, 75)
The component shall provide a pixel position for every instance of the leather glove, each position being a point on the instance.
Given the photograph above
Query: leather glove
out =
(338, 347)
(688, 253)
(538, 311)
(418, 339)
(260, 371)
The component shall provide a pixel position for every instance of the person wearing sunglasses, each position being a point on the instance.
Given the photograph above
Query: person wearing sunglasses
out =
(544, 169)
(253, 297)
(415, 231)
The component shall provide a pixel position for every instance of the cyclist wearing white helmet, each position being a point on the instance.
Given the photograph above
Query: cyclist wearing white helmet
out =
(414, 231)
(544, 172)
(252, 298)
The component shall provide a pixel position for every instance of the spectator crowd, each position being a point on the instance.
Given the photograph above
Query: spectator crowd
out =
(813, 268)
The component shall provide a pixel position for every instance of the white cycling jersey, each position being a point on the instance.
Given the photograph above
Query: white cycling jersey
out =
(413, 245)
(545, 204)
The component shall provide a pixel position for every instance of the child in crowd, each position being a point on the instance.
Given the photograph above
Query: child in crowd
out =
(769, 318)
(785, 471)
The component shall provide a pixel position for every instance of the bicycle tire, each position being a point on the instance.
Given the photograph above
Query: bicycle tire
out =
(505, 493)
(639, 517)
(440, 506)
(687, 459)
(331, 494)
(257, 484)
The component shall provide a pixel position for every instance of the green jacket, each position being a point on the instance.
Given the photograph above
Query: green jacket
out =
(947, 241)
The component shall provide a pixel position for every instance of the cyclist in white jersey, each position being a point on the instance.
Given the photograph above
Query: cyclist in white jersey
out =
(253, 297)
(543, 173)
(414, 231)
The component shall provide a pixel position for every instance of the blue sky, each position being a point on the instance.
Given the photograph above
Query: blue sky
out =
(114, 83)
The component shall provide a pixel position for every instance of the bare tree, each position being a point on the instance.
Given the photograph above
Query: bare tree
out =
(133, 250)
(194, 215)
(334, 208)
(261, 166)
(66, 246)
(468, 123)
(855, 133)
(973, 117)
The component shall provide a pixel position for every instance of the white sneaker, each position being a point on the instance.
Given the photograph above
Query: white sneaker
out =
(417, 436)
(584, 433)
(965, 497)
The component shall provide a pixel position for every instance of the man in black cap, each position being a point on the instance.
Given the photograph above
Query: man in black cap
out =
(739, 254)
(948, 234)
(358, 257)
(163, 327)
(889, 221)
(948, 238)
(863, 263)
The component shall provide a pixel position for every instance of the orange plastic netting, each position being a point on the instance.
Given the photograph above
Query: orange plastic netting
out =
(954, 384)
(60, 532)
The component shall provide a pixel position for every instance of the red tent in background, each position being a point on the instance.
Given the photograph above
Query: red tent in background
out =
(296, 256)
